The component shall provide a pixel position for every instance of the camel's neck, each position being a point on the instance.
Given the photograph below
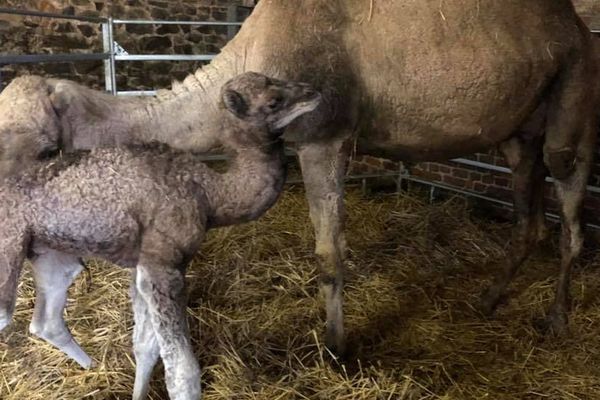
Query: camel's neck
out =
(189, 116)
(249, 188)
(186, 117)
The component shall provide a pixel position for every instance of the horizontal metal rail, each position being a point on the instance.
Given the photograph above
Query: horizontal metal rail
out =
(164, 57)
(32, 13)
(137, 93)
(43, 58)
(497, 168)
(469, 193)
(167, 22)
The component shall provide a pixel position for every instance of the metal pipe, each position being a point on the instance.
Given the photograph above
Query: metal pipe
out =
(164, 57)
(107, 65)
(42, 58)
(111, 48)
(31, 13)
(496, 168)
(232, 30)
(482, 197)
(479, 164)
(164, 22)
(137, 93)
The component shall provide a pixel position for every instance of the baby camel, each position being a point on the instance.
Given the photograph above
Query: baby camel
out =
(147, 208)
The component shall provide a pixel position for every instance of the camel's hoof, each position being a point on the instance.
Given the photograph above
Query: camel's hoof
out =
(336, 345)
(489, 301)
(555, 323)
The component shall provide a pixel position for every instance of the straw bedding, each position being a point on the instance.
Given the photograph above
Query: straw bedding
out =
(414, 277)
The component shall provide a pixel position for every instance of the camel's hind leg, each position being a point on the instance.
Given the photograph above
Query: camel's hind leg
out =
(524, 156)
(13, 248)
(570, 192)
(160, 284)
(568, 153)
(53, 273)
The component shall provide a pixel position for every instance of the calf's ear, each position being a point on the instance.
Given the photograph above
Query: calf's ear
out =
(235, 103)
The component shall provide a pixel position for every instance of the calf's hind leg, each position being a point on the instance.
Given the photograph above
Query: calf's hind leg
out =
(53, 273)
(145, 346)
(160, 284)
(13, 247)
(162, 288)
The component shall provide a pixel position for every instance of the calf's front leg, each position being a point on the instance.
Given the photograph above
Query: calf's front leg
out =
(53, 273)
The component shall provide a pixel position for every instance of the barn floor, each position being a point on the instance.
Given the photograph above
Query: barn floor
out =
(414, 278)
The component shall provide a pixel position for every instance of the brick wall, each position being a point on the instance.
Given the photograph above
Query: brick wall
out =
(31, 35)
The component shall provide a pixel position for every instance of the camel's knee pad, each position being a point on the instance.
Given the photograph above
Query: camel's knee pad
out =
(560, 163)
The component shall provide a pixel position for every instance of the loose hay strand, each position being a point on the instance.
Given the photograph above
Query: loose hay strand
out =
(256, 321)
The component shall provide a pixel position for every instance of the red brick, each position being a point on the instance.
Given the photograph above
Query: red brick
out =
(430, 176)
(502, 181)
(461, 173)
(475, 176)
(480, 187)
(454, 181)
(444, 168)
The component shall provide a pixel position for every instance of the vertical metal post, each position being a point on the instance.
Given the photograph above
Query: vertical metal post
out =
(432, 192)
(106, 49)
(232, 30)
(108, 42)
(400, 177)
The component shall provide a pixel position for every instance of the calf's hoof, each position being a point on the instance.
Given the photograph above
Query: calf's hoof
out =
(5, 318)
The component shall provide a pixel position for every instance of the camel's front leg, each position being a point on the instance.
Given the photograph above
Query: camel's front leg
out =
(323, 167)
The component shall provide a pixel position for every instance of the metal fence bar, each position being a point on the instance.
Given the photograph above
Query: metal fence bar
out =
(232, 30)
(479, 164)
(468, 193)
(113, 66)
(137, 93)
(32, 13)
(496, 168)
(42, 58)
(164, 57)
(108, 66)
(167, 22)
